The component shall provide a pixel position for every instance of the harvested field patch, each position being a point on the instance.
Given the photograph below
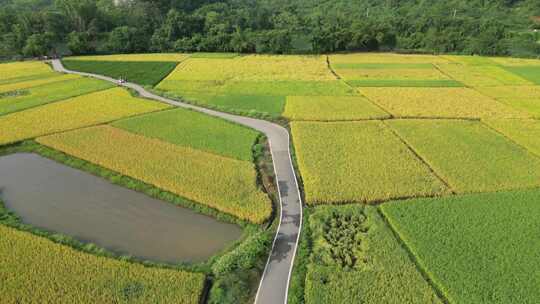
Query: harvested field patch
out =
(331, 108)
(358, 162)
(356, 259)
(470, 156)
(524, 132)
(477, 248)
(193, 129)
(482, 75)
(86, 110)
(439, 102)
(225, 184)
(52, 92)
(36, 270)
(141, 72)
(174, 57)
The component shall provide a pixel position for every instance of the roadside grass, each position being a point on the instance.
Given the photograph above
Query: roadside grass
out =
(160, 57)
(470, 156)
(482, 75)
(355, 258)
(439, 102)
(51, 92)
(531, 73)
(523, 98)
(331, 108)
(82, 111)
(358, 162)
(192, 129)
(147, 73)
(477, 248)
(406, 83)
(524, 132)
(35, 269)
(222, 183)
(19, 71)
(49, 78)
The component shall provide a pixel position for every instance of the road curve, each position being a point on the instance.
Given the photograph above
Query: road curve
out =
(274, 285)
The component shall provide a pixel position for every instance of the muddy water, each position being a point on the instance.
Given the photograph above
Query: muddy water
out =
(58, 198)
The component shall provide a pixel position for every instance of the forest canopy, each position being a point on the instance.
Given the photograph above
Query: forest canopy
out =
(30, 28)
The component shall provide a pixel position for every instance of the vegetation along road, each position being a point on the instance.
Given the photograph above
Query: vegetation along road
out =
(275, 280)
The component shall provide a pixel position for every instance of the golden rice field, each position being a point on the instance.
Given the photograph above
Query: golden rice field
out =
(328, 108)
(254, 68)
(36, 82)
(176, 57)
(36, 270)
(439, 102)
(385, 58)
(17, 70)
(392, 74)
(225, 184)
(524, 132)
(523, 98)
(82, 111)
(358, 162)
(482, 75)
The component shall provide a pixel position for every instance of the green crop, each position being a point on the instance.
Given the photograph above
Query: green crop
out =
(476, 248)
(531, 73)
(523, 132)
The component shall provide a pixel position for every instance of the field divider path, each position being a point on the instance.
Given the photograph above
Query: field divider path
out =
(274, 284)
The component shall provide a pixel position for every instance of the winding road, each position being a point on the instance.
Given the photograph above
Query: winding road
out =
(273, 288)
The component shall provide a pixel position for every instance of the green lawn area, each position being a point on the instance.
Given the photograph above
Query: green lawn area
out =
(470, 156)
(48, 93)
(355, 258)
(193, 129)
(479, 248)
(142, 72)
(358, 162)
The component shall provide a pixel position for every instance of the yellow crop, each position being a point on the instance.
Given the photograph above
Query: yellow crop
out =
(439, 102)
(385, 58)
(86, 110)
(331, 108)
(22, 69)
(135, 57)
(482, 75)
(515, 61)
(516, 92)
(525, 132)
(36, 270)
(254, 68)
(37, 82)
(222, 183)
(358, 162)
(392, 74)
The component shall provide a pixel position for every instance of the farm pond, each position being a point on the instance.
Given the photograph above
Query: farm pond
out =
(58, 198)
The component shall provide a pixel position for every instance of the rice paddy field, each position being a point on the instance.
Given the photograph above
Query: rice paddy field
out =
(420, 173)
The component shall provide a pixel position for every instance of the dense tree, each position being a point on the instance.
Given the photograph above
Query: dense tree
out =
(502, 27)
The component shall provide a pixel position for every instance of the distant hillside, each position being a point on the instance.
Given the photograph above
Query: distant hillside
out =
(38, 27)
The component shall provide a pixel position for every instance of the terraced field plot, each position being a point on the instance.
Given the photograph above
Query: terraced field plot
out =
(390, 58)
(23, 71)
(257, 83)
(358, 162)
(356, 259)
(476, 248)
(141, 72)
(192, 129)
(523, 98)
(35, 269)
(49, 78)
(439, 102)
(482, 75)
(529, 72)
(328, 108)
(469, 156)
(82, 111)
(52, 92)
(222, 183)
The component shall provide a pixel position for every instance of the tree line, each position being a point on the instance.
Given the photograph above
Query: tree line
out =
(30, 28)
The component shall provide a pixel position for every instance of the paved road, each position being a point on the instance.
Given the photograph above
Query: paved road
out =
(274, 284)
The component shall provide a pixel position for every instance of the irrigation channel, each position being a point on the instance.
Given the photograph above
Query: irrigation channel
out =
(56, 197)
(274, 285)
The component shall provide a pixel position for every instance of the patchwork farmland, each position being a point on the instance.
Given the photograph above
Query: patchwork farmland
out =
(411, 168)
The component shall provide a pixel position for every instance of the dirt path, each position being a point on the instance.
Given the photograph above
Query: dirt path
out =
(275, 280)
